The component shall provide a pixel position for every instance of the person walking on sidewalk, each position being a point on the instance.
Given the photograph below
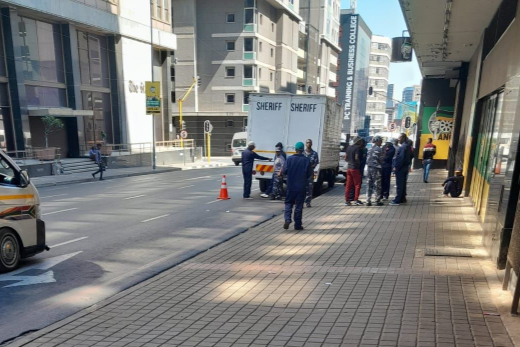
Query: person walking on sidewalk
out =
(99, 161)
(248, 159)
(401, 165)
(428, 153)
(269, 190)
(279, 162)
(312, 155)
(298, 170)
(374, 158)
(353, 158)
(386, 169)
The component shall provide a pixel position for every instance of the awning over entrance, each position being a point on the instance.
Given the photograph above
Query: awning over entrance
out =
(446, 32)
(59, 112)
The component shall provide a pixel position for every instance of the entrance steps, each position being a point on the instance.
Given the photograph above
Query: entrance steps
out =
(71, 166)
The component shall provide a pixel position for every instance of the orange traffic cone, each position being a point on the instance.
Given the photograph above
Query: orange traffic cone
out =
(223, 190)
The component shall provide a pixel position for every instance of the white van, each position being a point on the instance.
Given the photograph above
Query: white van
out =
(22, 232)
(238, 145)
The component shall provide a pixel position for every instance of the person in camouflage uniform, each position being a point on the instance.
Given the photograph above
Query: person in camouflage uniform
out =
(312, 155)
(279, 162)
(374, 159)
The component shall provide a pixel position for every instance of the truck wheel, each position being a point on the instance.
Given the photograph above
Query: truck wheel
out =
(264, 184)
(318, 186)
(9, 250)
(332, 178)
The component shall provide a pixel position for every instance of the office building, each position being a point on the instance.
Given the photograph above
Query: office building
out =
(352, 87)
(85, 63)
(379, 69)
(390, 105)
(249, 46)
(412, 93)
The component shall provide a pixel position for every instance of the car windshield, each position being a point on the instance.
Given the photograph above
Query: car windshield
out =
(239, 142)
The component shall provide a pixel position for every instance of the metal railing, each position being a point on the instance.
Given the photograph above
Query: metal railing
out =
(35, 155)
(137, 148)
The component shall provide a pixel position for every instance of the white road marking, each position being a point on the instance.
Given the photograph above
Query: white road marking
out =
(186, 187)
(51, 196)
(154, 218)
(71, 241)
(197, 178)
(87, 182)
(134, 197)
(254, 190)
(212, 202)
(69, 209)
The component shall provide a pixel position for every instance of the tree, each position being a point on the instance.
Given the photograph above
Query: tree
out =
(51, 124)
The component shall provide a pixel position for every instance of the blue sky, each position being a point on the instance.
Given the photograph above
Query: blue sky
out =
(384, 17)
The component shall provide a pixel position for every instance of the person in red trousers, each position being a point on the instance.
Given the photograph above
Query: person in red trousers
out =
(353, 159)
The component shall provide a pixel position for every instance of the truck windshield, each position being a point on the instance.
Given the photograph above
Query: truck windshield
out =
(239, 142)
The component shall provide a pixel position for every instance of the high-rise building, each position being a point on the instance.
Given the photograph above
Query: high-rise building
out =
(390, 95)
(390, 105)
(352, 90)
(412, 93)
(245, 46)
(380, 52)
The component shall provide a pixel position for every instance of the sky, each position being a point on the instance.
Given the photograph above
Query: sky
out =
(384, 18)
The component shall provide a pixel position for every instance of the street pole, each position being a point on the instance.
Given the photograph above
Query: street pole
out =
(180, 121)
(151, 68)
(209, 147)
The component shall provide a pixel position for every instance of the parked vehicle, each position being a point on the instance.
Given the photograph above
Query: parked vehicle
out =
(238, 145)
(22, 232)
(289, 119)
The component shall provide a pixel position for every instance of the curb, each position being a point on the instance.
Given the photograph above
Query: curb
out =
(82, 180)
(207, 166)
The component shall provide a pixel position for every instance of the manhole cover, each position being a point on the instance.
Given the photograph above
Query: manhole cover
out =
(446, 252)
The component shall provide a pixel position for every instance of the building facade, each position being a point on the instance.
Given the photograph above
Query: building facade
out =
(379, 71)
(412, 93)
(83, 63)
(353, 70)
(249, 46)
(390, 105)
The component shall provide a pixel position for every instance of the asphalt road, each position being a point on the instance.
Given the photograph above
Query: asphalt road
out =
(107, 236)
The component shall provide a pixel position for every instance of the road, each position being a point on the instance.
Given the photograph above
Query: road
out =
(107, 236)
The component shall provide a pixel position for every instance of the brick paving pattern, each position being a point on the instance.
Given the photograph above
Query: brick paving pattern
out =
(356, 276)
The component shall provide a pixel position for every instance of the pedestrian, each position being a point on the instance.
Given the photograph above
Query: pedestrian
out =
(99, 161)
(401, 166)
(375, 158)
(353, 159)
(428, 153)
(279, 162)
(248, 159)
(386, 169)
(298, 170)
(363, 158)
(453, 185)
(312, 155)
(269, 190)
(92, 153)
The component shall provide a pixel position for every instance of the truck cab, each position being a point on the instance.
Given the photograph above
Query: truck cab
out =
(22, 232)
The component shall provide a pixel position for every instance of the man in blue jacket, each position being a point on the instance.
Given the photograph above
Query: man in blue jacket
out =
(248, 159)
(401, 164)
(298, 170)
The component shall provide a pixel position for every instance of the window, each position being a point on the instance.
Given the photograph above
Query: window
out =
(102, 120)
(161, 10)
(42, 56)
(8, 176)
(93, 59)
(260, 46)
(230, 98)
(261, 19)
(248, 44)
(249, 3)
(260, 73)
(246, 98)
(45, 96)
(271, 76)
(272, 52)
(230, 71)
(230, 123)
(230, 45)
(248, 71)
(249, 16)
(230, 18)
(272, 27)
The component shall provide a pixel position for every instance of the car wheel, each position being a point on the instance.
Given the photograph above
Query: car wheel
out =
(237, 163)
(9, 250)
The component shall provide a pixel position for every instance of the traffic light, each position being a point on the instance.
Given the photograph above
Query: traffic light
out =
(199, 82)
(183, 125)
(370, 90)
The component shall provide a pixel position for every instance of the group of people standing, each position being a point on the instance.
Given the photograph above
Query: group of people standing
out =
(395, 156)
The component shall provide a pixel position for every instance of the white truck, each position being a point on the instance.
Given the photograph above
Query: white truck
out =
(289, 119)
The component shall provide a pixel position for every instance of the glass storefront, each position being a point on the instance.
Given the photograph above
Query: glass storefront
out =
(101, 122)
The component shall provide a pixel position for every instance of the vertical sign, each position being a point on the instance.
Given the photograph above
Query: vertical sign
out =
(153, 97)
(351, 72)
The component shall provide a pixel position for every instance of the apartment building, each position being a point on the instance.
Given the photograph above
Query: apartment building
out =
(390, 105)
(380, 53)
(246, 46)
(85, 62)
(412, 93)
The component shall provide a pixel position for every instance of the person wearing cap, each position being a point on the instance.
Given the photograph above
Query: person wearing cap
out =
(248, 159)
(312, 155)
(298, 170)
(453, 185)
(269, 190)
(353, 158)
(386, 169)
(374, 159)
(279, 162)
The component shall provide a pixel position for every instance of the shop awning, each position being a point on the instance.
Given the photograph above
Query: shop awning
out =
(59, 112)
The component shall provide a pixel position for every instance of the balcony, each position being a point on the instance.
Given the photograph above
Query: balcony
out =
(249, 82)
(250, 28)
(301, 53)
(245, 108)
(300, 74)
(333, 60)
(249, 55)
(332, 76)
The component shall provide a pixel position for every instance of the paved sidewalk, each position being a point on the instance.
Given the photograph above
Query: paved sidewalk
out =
(356, 276)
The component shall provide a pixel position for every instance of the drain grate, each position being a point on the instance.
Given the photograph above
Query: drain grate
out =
(446, 252)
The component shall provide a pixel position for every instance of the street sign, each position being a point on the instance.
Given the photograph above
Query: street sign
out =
(407, 122)
(153, 97)
(208, 127)
(392, 126)
(184, 134)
